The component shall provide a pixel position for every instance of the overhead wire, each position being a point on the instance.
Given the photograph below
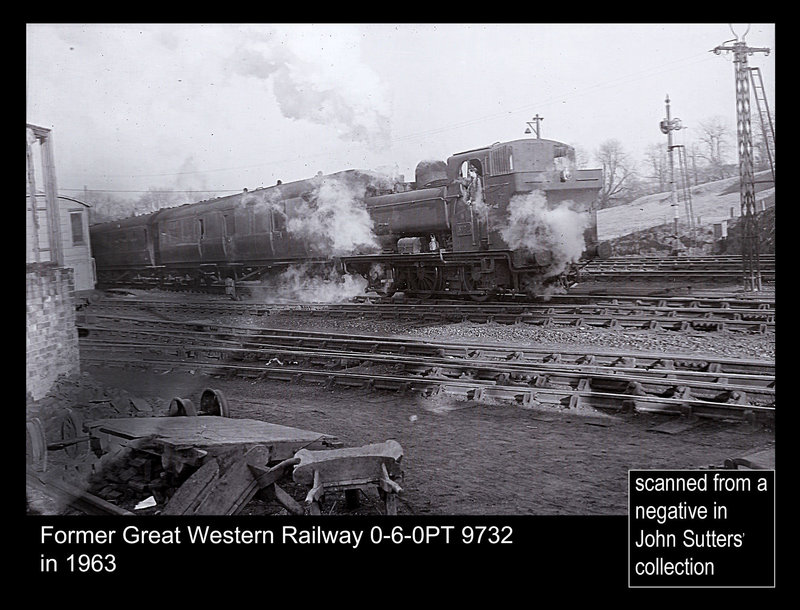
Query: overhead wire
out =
(615, 82)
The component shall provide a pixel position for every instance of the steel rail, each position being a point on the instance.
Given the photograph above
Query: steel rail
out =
(726, 302)
(711, 276)
(628, 316)
(449, 368)
(632, 399)
(450, 309)
(412, 346)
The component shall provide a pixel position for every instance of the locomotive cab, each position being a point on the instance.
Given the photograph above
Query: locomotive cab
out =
(515, 168)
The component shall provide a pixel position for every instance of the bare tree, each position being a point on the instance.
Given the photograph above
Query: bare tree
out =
(155, 199)
(655, 157)
(581, 157)
(692, 153)
(107, 206)
(715, 139)
(618, 172)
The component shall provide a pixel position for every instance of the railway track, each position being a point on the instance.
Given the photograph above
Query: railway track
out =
(707, 269)
(673, 313)
(688, 385)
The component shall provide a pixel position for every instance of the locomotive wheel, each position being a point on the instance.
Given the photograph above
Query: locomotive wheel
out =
(469, 286)
(212, 402)
(179, 407)
(424, 278)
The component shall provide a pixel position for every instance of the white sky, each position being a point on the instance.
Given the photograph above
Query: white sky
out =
(224, 107)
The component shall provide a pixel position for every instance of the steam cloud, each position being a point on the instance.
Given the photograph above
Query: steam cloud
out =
(335, 221)
(332, 221)
(554, 237)
(308, 284)
(316, 77)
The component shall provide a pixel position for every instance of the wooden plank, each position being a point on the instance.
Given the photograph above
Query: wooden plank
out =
(267, 477)
(189, 495)
(211, 432)
(235, 486)
(348, 464)
(287, 501)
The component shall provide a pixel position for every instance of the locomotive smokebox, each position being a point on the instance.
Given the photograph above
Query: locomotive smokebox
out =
(430, 173)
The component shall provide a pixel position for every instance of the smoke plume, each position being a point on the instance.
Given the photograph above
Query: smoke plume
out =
(318, 77)
(553, 237)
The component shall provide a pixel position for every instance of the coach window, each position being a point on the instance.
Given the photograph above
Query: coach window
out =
(563, 157)
(471, 163)
(279, 217)
(260, 220)
(230, 224)
(173, 231)
(188, 231)
(76, 222)
(471, 181)
(202, 227)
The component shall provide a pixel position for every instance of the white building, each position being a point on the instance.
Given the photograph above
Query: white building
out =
(74, 228)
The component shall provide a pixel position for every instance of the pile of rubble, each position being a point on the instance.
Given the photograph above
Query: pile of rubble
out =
(119, 479)
(91, 400)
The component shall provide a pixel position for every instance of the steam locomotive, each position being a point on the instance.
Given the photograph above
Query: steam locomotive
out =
(453, 231)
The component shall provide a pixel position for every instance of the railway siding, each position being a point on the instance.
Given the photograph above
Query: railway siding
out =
(638, 313)
(695, 386)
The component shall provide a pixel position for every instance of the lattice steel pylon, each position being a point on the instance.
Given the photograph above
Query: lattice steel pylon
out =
(750, 233)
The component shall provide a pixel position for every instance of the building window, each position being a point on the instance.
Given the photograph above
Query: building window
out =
(76, 222)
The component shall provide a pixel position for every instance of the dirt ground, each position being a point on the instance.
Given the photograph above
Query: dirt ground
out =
(465, 458)
(462, 457)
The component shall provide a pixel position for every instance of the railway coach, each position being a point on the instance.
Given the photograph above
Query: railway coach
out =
(445, 233)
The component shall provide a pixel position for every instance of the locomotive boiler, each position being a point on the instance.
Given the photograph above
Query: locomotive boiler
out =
(489, 221)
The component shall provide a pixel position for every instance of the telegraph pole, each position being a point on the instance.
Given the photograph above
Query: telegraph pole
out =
(669, 125)
(537, 119)
(752, 271)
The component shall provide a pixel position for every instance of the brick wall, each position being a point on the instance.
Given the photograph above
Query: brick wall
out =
(52, 337)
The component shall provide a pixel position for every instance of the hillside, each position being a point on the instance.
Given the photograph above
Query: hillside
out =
(645, 225)
(712, 202)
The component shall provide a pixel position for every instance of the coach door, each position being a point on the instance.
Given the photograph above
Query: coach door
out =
(277, 227)
(229, 235)
(210, 239)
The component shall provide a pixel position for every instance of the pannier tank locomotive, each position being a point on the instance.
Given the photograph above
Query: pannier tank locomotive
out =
(443, 234)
